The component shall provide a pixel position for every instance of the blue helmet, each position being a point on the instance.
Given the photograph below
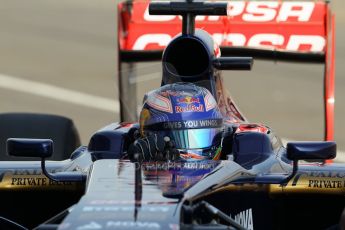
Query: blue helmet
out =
(187, 114)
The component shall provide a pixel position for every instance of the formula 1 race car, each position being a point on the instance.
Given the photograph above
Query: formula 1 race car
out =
(117, 181)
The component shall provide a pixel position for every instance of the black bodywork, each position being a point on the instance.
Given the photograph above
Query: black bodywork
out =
(257, 183)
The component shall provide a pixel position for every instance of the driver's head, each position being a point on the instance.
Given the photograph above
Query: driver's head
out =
(187, 114)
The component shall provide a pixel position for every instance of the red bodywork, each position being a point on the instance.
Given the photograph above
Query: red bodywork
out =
(292, 26)
(252, 128)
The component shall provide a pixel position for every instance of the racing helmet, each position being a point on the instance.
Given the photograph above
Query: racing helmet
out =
(187, 114)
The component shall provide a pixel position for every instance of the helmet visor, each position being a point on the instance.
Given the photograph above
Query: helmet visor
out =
(193, 138)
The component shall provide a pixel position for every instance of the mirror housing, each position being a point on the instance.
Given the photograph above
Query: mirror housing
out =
(233, 63)
(313, 150)
(26, 147)
(42, 148)
(318, 150)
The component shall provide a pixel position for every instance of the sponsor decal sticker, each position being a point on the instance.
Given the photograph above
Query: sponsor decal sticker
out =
(28, 179)
(328, 175)
(36, 181)
(292, 17)
(326, 183)
(124, 202)
(188, 100)
(131, 225)
(120, 225)
(312, 43)
(320, 181)
(245, 218)
(124, 208)
(209, 123)
(188, 104)
(264, 11)
(156, 166)
(189, 108)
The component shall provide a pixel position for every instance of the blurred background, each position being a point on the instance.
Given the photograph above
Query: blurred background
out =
(59, 57)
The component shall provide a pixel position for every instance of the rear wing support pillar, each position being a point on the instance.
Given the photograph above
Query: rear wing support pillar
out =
(127, 92)
(329, 79)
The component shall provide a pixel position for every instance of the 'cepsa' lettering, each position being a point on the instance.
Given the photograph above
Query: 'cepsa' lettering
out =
(262, 11)
(313, 43)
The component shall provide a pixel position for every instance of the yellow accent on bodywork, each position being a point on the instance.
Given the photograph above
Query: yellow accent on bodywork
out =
(14, 181)
(300, 184)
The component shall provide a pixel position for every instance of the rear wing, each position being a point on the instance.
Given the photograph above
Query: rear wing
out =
(298, 31)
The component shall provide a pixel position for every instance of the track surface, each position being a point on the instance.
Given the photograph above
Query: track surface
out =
(68, 47)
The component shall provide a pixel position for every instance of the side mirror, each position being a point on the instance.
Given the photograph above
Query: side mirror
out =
(233, 63)
(24, 147)
(316, 150)
(322, 150)
(42, 148)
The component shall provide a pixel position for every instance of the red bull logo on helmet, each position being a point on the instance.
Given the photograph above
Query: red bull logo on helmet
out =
(188, 104)
(189, 108)
(188, 100)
